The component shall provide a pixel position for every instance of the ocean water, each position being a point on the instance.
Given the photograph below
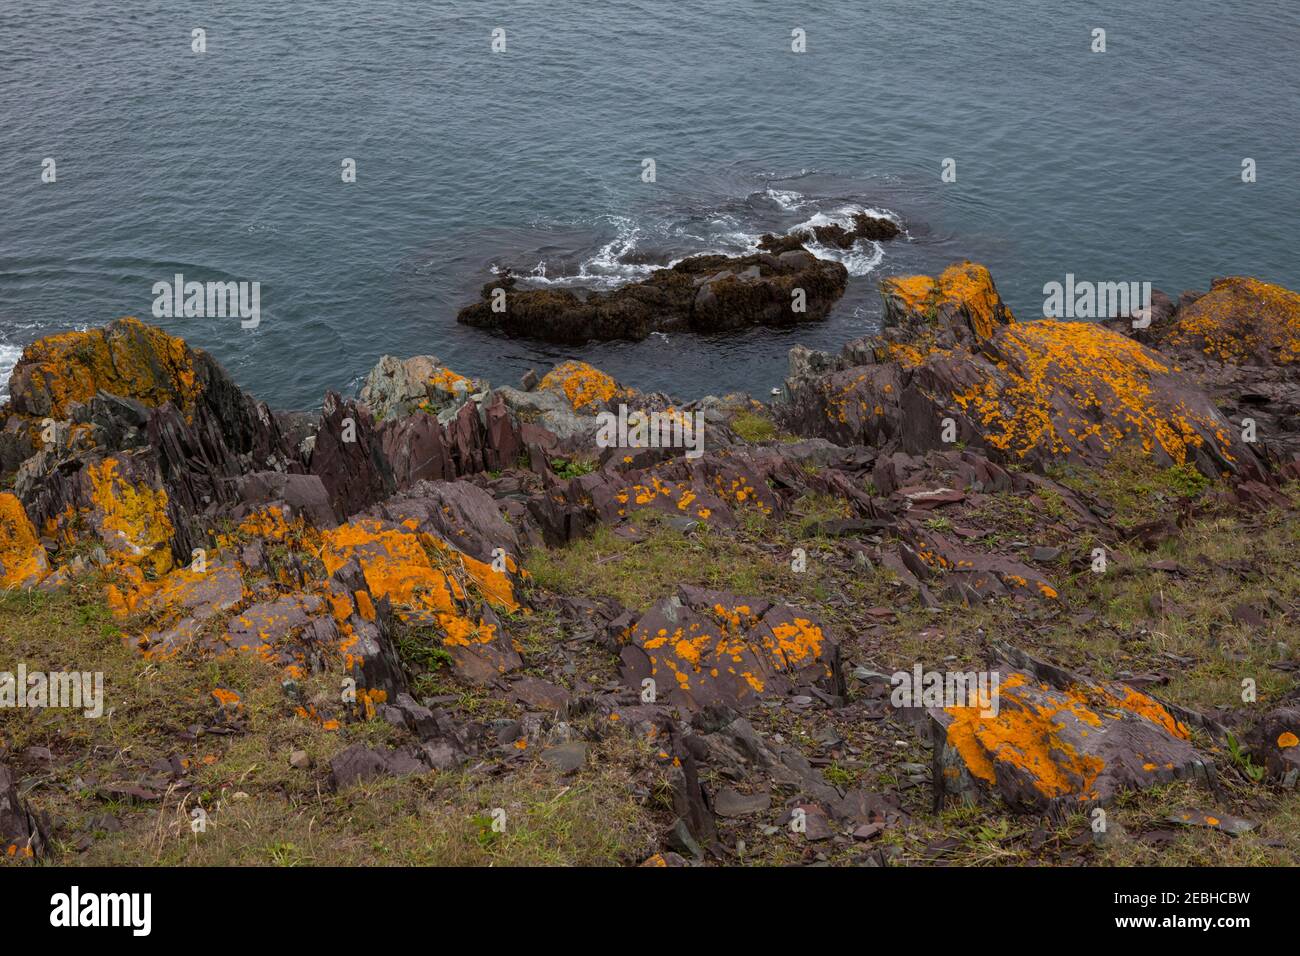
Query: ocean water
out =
(1123, 165)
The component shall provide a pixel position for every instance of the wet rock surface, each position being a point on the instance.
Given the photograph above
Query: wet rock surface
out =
(781, 286)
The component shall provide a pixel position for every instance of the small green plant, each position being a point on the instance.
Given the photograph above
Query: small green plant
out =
(1242, 760)
(572, 467)
(284, 854)
(839, 776)
(753, 427)
(1184, 481)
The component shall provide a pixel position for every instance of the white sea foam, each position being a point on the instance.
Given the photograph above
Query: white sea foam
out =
(859, 260)
(843, 217)
(863, 256)
(9, 356)
(787, 199)
(609, 266)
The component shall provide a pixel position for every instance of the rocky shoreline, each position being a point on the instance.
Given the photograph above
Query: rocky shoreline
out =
(397, 535)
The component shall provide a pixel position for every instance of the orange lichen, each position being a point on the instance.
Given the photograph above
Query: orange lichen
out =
(1145, 707)
(129, 358)
(795, 643)
(445, 380)
(582, 384)
(734, 642)
(1243, 319)
(1025, 735)
(1287, 739)
(23, 562)
(133, 517)
(964, 286)
(227, 699)
(425, 579)
(1026, 732)
(1107, 375)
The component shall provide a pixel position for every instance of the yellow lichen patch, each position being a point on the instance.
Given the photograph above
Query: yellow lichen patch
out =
(269, 523)
(1145, 707)
(23, 562)
(445, 380)
(740, 492)
(965, 286)
(227, 699)
(970, 286)
(797, 643)
(423, 578)
(129, 358)
(1243, 319)
(654, 491)
(582, 384)
(1024, 735)
(495, 585)
(1107, 376)
(133, 517)
(909, 355)
(917, 293)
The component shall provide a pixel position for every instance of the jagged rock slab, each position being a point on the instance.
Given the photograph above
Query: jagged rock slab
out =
(704, 647)
(1060, 741)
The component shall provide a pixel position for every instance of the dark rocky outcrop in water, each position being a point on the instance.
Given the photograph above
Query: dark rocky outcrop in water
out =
(400, 523)
(710, 293)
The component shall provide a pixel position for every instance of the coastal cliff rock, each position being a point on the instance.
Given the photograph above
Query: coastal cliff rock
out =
(396, 387)
(1242, 321)
(1240, 343)
(953, 366)
(442, 576)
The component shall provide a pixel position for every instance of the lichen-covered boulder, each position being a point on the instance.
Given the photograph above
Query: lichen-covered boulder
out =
(397, 387)
(435, 586)
(116, 504)
(128, 358)
(1077, 391)
(962, 299)
(1274, 742)
(586, 389)
(1242, 321)
(703, 647)
(1051, 740)
(457, 512)
(23, 561)
(961, 370)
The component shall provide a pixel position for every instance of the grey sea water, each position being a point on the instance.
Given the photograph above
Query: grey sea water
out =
(1117, 166)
